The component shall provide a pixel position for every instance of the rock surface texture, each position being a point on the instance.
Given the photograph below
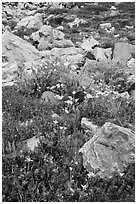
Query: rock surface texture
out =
(17, 49)
(110, 149)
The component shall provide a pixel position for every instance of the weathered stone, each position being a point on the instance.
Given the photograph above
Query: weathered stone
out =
(109, 150)
(9, 73)
(123, 51)
(30, 144)
(105, 26)
(30, 22)
(77, 22)
(50, 38)
(87, 44)
(49, 97)
(46, 31)
(63, 43)
(35, 36)
(102, 54)
(45, 44)
(71, 55)
(131, 66)
(58, 35)
(16, 49)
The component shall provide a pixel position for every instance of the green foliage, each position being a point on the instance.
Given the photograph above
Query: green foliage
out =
(104, 108)
(54, 172)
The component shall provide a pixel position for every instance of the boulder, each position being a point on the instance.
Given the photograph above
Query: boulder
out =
(131, 66)
(89, 43)
(71, 55)
(9, 73)
(30, 144)
(49, 97)
(50, 38)
(45, 31)
(105, 26)
(45, 44)
(58, 35)
(123, 52)
(64, 43)
(30, 23)
(17, 49)
(102, 54)
(111, 149)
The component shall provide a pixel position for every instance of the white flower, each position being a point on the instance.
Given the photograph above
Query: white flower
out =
(66, 110)
(28, 159)
(52, 87)
(58, 85)
(55, 115)
(69, 102)
(55, 121)
(73, 92)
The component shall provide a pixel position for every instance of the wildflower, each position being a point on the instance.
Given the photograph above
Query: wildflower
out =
(58, 85)
(28, 159)
(55, 121)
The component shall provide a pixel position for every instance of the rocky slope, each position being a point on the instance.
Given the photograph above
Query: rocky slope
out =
(68, 78)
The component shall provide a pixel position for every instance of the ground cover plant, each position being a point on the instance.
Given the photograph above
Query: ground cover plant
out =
(97, 90)
(54, 172)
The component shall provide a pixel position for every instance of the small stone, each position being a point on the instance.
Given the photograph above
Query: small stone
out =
(104, 26)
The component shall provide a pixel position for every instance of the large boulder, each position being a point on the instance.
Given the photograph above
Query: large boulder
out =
(89, 43)
(33, 23)
(102, 54)
(9, 73)
(17, 49)
(64, 43)
(71, 55)
(49, 38)
(123, 52)
(109, 150)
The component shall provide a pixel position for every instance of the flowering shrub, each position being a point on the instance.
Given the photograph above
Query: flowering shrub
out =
(54, 170)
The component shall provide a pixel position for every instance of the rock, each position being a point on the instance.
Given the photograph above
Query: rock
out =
(45, 31)
(123, 52)
(131, 79)
(9, 73)
(71, 55)
(113, 13)
(63, 43)
(131, 66)
(16, 49)
(58, 35)
(125, 95)
(35, 37)
(89, 43)
(60, 28)
(109, 150)
(45, 44)
(55, 5)
(49, 97)
(102, 54)
(77, 22)
(99, 54)
(113, 8)
(50, 38)
(30, 23)
(105, 26)
(30, 144)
